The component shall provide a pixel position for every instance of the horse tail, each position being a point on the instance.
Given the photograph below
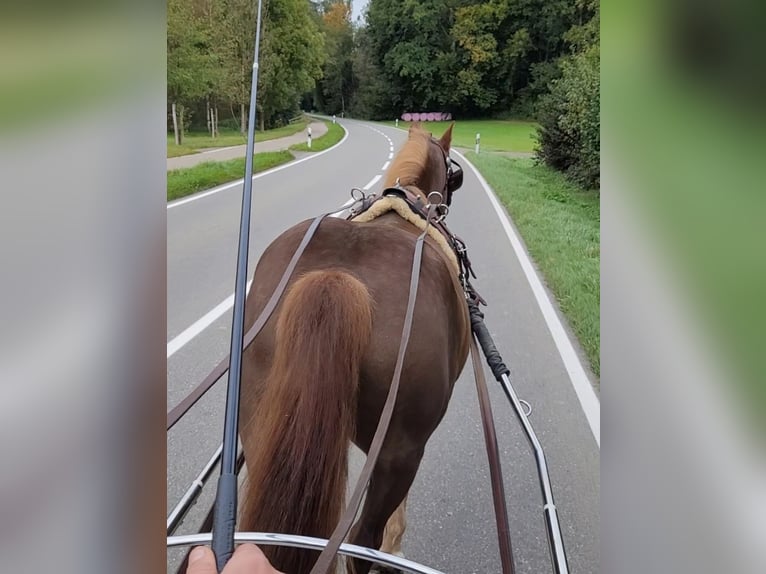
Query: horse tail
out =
(306, 414)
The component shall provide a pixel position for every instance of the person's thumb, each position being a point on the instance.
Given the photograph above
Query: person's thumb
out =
(201, 561)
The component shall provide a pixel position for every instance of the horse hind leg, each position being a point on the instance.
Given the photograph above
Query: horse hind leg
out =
(386, 497)
(394, 530)
(392, 537)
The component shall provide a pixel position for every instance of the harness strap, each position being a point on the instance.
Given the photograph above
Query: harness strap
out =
(493, 454)
(190, 400)
(326, 558)
(420, 207)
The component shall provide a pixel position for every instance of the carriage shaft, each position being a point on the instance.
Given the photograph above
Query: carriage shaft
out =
(555, 540)
(192, 493)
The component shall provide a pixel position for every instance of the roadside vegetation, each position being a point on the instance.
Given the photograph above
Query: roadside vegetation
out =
(182, 182)
(560, 224)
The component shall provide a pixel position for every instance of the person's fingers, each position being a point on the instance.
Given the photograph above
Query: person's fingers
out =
(201, 561)
(248, 559)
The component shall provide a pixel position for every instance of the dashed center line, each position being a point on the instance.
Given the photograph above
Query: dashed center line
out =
(372, 182)
(385, 166)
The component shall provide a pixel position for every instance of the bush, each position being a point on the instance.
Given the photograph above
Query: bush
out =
(569, 133)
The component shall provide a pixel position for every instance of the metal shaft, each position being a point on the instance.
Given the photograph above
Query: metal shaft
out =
(191, 494)
(225, 516)
(555, 540)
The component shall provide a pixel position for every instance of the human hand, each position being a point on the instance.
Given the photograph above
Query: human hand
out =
(247, 559)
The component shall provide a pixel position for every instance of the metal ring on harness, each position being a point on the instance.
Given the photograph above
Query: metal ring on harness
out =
(441, 207)
(359, 195)
(529, 407)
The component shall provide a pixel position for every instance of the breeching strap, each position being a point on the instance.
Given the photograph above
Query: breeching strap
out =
(180, 409)
(326, 558)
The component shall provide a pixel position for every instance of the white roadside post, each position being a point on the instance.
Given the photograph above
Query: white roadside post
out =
(333, 118)
(478, 140)
(309, 137)
(397, 122)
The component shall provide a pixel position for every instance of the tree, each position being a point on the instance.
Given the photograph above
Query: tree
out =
(569, 133)
(370, 92)
(191, 64)
(337, 81)
(235, 21)
(292, 54)
(465, 56)
(410, 41)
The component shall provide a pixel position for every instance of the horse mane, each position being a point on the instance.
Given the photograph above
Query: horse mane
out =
(411, 161)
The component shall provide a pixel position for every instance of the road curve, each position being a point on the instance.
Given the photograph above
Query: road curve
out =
(450, 521)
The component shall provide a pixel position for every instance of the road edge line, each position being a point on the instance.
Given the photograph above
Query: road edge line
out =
(581, 383)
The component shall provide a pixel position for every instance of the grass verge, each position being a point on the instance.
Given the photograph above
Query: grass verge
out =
(190, 180)
(496, 135)
(194, 141)
(334, 135)
(560, 226)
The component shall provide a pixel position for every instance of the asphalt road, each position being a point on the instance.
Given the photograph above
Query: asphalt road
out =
(450, 520)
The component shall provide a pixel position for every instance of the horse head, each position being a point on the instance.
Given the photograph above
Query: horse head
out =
(424, 164)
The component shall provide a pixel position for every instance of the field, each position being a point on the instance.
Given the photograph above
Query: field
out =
(496, 135)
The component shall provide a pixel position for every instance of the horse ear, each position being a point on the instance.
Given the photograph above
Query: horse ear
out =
(446, 139)
(415, 126)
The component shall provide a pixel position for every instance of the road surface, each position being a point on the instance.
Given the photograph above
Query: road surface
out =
(450, 520)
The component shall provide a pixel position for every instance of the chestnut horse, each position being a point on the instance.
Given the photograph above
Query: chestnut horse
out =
(318, 374)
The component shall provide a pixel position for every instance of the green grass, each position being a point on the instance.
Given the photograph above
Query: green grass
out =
(496, 135)
(560, 226)
(194, 141)
(186, 181)
(334, 135)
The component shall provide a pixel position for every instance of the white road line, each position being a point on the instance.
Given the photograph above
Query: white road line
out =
(256, 176)
(385, 166)
(372, 182)
(202, 323)
(390, 156)
(344, 206)
(582, 386)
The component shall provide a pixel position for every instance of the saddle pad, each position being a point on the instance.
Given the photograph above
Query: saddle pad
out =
(398, 205)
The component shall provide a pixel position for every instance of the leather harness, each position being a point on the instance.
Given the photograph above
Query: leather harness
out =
(432, 210)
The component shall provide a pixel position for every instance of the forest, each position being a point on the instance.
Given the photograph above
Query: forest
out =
(526, 59)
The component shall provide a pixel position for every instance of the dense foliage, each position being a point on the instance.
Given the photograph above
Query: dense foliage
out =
(569, 114)
(473, 58)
